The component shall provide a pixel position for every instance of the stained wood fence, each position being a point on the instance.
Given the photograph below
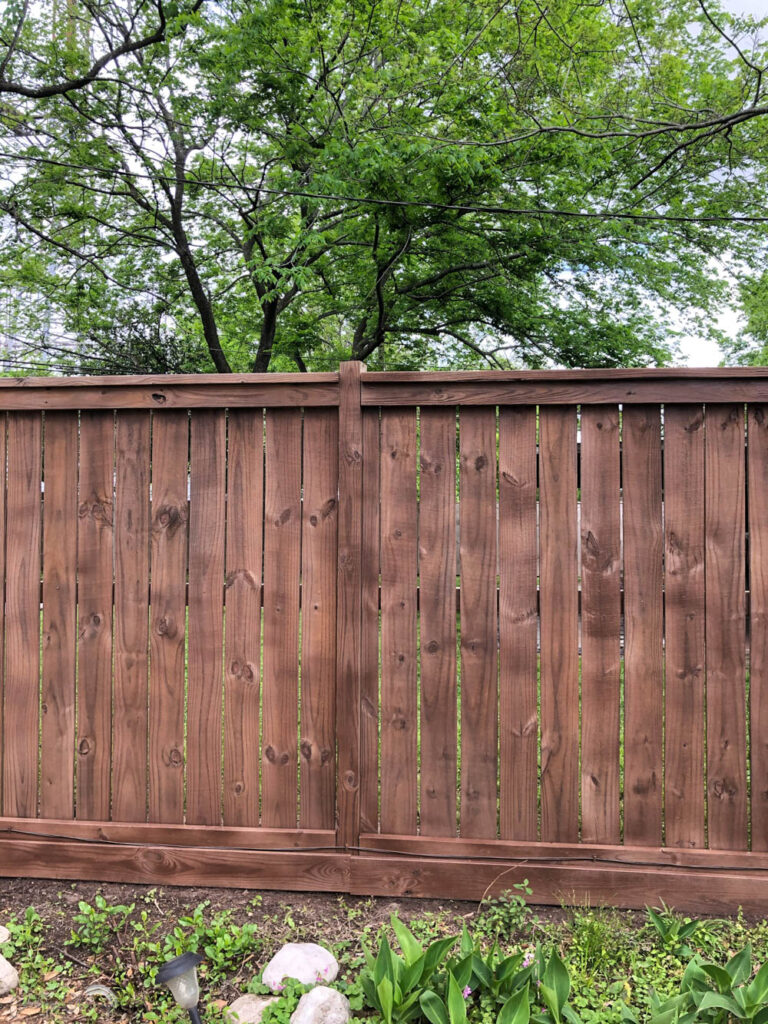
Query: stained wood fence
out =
(400, 634)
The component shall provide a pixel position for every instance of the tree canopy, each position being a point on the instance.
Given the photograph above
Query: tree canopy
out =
(279, 184)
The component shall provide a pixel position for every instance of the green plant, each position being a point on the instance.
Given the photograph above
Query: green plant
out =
(502, 916)
(393, 984)
(712, 994)
(98, 924)
(674, 931)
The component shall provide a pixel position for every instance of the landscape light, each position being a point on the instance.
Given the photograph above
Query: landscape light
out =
(180, 975)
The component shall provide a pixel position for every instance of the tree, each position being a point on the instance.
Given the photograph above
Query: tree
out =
(285, 183)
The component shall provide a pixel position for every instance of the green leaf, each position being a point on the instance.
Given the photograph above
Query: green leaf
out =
(739, 967)
(411, 948)
(434, 956)
(433, 1007)
(719, 975)
(517, 1009)
(556, 978)
(715, 1000)
(383, 965)
(467, 945)
(757, 991)
(386, 994)
(457, 1005)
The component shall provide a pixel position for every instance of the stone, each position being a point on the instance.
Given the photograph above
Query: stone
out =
(305, 961)
(248, 1009)
(9, 977)
(4, 934)
(322, 1005)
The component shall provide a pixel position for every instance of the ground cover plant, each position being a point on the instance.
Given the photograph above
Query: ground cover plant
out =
(91, 953)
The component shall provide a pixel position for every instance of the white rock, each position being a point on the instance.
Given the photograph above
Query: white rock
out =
(4, 934)
(9, 977)
(248, 1009)
(305, 961)
(322, 1006)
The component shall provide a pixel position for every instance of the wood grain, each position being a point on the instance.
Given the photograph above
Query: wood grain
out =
(725, 628)
(399, 709)
(349, 604)
(600, 623)
(94, 597)
(131, 662)
(207, 464)
(479, 663)
(558, 546)
(57, 740)
(282, 546)
(318, 619)
(170, 517)
(437, 576)
(684, 786)
(369, 642)
(518, 624)
(757, 470)
(643, 669)
(242, 635)
(22, 615)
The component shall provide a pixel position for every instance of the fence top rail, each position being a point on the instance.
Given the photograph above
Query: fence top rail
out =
(567, 387)
(187, 391)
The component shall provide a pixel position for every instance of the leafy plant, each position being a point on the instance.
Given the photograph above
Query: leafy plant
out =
(674, 931)
(392, 984)
(98, 923)
(502, 916)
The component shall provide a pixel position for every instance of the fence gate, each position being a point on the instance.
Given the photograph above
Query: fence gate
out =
(389, 633)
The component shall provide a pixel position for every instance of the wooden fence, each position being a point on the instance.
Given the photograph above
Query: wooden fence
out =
(399, 634)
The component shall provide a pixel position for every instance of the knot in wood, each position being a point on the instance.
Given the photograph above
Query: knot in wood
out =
(306, 750)
(283, 518)
(480, 462)
(166, 626)
(174, 757)
(325, 755)
(269, 753)
(169, 518)
(239, 788)
(433, 647)
(159, 397)
(84, 747)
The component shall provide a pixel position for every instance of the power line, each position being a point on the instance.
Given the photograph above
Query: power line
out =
(406, 203)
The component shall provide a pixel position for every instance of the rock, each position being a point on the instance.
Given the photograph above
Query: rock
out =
(322, 1006)
(4, 934)
(305, 961)
(248, 1009)
(9, 977)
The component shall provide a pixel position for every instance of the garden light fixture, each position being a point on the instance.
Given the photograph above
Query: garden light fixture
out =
(180, 975)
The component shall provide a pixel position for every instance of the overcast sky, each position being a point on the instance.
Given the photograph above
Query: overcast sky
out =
(696, 351)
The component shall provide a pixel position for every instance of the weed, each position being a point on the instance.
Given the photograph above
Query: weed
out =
(502, 917)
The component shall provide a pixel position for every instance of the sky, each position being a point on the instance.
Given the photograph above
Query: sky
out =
(696, 351)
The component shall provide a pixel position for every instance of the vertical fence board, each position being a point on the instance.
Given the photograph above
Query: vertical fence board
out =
(369, 643)
(57, 741)
(170, 513)
(559, 625)
(22, 615)
(94, 597)
(757, 490)
(479, 663)
(725, 628)
(398, 621)
(643, 669)
(207, 461)
(3, 497)
(242, 633)
(518, 624)
(437, 586)
(318, 618)
(684, 811)
(282, 548)
(600, 623)
(129, 730)
(349, 603)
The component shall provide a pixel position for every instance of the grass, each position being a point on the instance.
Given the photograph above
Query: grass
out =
(77, 936)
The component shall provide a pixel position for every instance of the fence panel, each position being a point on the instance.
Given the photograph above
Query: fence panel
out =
(431, 632)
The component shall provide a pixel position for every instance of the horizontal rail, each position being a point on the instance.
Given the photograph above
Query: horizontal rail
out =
(172, 835)
(516, 389)
(188, 392)
(619, 884)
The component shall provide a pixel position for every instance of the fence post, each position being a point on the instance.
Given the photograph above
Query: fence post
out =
(349, 604)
